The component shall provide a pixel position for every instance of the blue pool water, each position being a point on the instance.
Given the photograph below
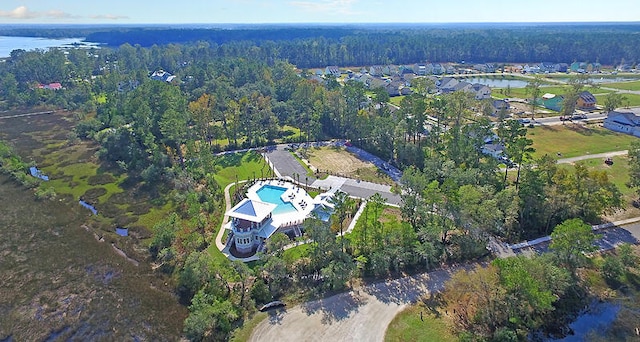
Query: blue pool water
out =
(272, 194)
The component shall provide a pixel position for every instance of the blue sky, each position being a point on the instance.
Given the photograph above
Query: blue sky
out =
(313, 11)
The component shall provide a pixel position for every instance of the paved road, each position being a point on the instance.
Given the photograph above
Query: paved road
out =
(555, 120)
(364, 315)
(359, 315)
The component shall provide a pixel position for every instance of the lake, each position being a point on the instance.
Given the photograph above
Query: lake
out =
(8, 44)
(496, 82)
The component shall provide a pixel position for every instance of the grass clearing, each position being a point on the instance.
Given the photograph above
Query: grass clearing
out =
(631, 85)
(243, 333)
(631, 100)
(338, 161)
(407, 325)
(618, 172)
(240, 166)
(296, 253)
(572, 140)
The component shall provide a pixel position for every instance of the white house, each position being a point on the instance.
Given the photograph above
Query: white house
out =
(623, 122)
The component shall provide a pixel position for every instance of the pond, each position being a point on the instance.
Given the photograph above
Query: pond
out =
(602, 80)
(496, 82)
(597, 318)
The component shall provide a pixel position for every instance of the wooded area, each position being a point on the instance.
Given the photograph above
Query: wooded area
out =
(249, 94)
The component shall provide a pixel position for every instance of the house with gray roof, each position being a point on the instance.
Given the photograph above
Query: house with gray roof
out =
(623, 122)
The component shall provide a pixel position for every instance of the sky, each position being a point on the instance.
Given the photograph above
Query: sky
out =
(312, 11)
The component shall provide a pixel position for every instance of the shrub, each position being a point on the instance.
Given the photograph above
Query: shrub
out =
(612, 268)
(47, 193)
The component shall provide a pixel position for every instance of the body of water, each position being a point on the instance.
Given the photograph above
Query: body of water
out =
(8, 44)
(604, 80)
(273, 194)
(496, 82)
(597, 318)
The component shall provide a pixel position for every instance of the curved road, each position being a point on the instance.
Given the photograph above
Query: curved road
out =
(364, 314)
(359, 315)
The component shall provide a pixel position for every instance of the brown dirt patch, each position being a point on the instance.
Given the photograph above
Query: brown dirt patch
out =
(337, 160)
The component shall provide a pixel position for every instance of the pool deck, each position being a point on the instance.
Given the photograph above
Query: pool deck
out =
(301, 201)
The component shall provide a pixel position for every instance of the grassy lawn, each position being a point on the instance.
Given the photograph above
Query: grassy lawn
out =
(241, 166)
(553, 89)
(631, 100)
(407, 326)
(632, 85)
(295, 253)
(618, 172)
(574, 140)
(396, 100)
(338, 161)
(244, 332)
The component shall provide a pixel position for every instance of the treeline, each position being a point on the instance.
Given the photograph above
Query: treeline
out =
(346, 46)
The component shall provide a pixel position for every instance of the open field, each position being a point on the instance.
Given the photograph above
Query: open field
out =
(618, 172)
(408, 325)
(337, 161)
(572, 140)
(631, 100)
(632, 85)
(62, 279)
(240, 166)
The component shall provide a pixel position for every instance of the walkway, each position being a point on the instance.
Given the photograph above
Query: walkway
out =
(593, 156)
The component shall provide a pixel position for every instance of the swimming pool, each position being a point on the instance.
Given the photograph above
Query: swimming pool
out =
(273, 194)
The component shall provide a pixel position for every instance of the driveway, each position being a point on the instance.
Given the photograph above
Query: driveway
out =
(358, 315)
(286, 165)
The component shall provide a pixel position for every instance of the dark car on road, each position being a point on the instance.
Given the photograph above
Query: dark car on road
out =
(272, 305)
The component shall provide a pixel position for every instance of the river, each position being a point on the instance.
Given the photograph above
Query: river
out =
(8, 44)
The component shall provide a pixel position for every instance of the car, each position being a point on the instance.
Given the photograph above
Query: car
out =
(524, 121)
(272, 305)
(579, 117)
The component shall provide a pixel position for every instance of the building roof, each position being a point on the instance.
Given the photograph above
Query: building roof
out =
(587, 97)
(253, 211)
(623, 118)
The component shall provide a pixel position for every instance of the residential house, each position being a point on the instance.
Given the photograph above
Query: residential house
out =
(495, 150)
(481, 91)
(562, 67)
(50, 86)
(405, 91)
(586, 101)
(531, 69)
(250, 222)
(463, 86)
(161, 75)
(623, 122)
(437, 69)
(499, 106)
(447, 84)
(422, 70)
(393, 88)
(486, 67)
(376, 70)
(551, 101)
(332, 70)
(547, 67)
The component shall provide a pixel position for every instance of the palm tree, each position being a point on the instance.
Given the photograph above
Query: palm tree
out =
(339, 202)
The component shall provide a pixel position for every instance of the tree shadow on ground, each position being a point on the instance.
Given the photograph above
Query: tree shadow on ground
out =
(276, 315)
(335, 308)
(411, 289)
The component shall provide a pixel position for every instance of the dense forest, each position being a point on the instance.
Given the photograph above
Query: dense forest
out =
(312, 47)
(245, 94)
